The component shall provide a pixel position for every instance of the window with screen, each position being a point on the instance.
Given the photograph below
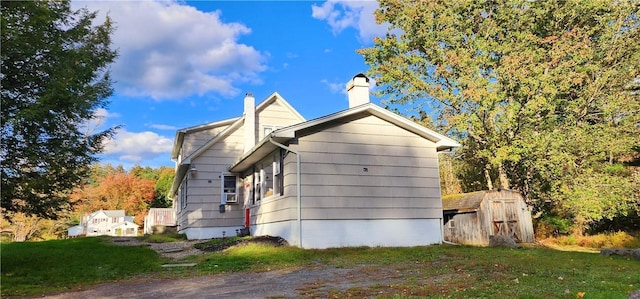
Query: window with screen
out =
(229, 189)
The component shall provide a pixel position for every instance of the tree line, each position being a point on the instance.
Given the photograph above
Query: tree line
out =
(543, 95)
(107, 187)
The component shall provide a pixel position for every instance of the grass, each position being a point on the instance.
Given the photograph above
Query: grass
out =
(437, 271)
(445, 271)
(30, 268)
(163, 238)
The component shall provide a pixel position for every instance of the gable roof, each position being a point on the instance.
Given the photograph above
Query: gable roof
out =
(470, 202)
(265, 146)
(466, 202)
(233, 124)
(108, 213)
(179, 139)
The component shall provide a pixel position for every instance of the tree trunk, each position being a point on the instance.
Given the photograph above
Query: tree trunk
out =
(504, 180)
(487, 176)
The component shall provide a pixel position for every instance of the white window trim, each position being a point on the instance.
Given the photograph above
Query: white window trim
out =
(263, 183)
(223, 195)
(271, 128)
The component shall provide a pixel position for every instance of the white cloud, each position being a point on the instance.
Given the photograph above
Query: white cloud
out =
(335, 87)
(97, 122)
(163, 127)
(137, 146)
(102, 113)
(342, 14)
(171, 50)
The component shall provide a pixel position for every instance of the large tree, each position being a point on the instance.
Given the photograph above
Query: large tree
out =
(116, 191)
(54, 76)
(538, 91)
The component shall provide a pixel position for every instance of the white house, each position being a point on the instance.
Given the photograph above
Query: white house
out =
(111, 223)
(363, 176)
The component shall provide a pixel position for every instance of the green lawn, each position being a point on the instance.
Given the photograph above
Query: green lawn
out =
(31, 268)
(437, 271)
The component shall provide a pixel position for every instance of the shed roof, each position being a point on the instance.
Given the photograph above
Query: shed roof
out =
(469, 202)
(465, 202)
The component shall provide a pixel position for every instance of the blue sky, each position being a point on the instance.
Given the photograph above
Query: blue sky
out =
(187, 63)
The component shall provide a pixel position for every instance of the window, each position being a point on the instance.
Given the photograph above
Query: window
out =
(183, 194)
(267, 129)
(229, 188)
(256, 186)
(278, 182)
(270, 176)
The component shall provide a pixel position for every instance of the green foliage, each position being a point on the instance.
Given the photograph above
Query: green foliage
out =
(610, 240)
(163, 186)
(221, 241)
(31, 268)
(54, 76)
(617, 169)
(541, 94)
(552, 225)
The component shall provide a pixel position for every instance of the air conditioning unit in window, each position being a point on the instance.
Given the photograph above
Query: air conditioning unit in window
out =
(231, 198)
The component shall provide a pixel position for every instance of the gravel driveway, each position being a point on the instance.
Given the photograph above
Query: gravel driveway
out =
(291, 283)
(315, 281)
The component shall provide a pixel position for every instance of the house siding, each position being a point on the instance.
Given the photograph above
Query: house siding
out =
(401, 187)
(195, 140)
(201, 218)
(274, 114)
(203, 197)
(369, 169)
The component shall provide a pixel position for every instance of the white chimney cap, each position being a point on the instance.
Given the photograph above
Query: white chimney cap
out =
(358, 90)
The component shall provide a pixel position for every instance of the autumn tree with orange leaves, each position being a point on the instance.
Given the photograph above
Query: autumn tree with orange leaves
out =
(116, 191)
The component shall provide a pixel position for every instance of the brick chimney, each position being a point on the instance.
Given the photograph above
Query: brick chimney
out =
(249, 122)
(358, 90)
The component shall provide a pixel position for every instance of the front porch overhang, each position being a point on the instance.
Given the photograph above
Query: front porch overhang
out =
(257, 153)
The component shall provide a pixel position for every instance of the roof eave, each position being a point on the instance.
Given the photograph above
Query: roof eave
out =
(180, 173)
(257, 153)
(177, 145)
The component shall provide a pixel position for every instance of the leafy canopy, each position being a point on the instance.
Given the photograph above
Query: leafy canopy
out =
(541, 93)
(54, 76)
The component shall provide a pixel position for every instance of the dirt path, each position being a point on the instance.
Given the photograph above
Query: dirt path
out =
(316, 282)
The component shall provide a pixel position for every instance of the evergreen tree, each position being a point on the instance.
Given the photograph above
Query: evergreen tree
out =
(54, 76)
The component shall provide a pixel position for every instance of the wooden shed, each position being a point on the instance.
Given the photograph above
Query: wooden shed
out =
(470, 218)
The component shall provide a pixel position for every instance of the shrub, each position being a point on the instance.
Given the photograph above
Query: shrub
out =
(164, 238)
(552, 226)
(610, 240)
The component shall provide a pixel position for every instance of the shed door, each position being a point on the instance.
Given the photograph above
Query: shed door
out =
(505, 219)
